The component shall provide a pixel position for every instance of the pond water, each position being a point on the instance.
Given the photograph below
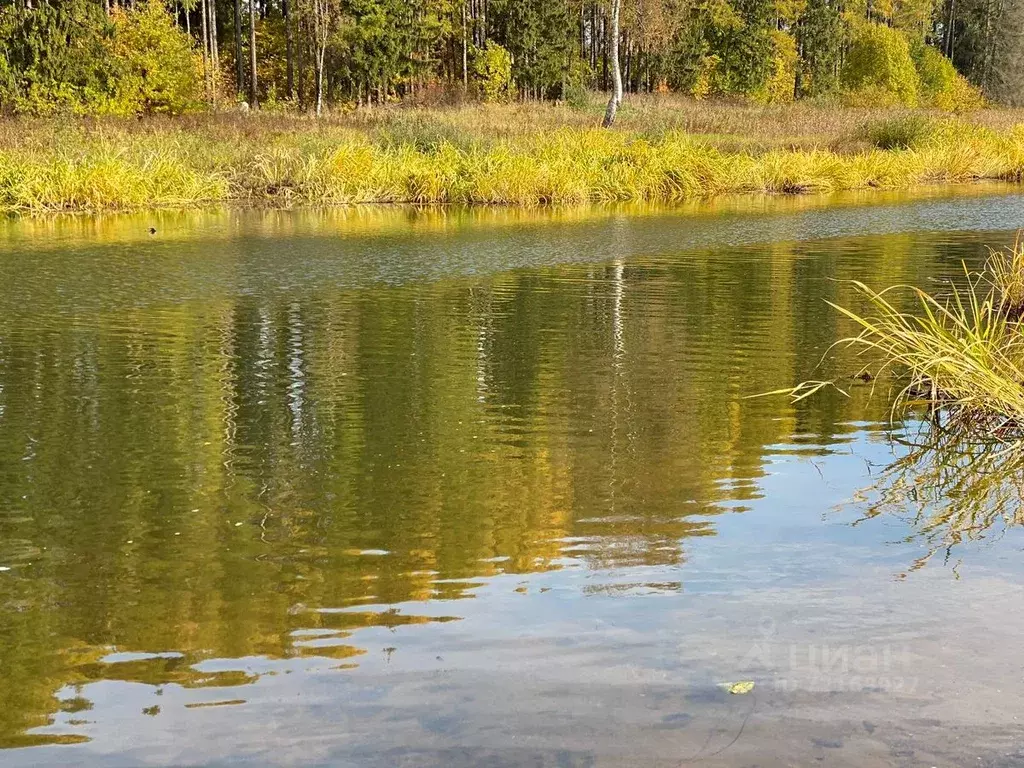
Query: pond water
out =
(461, 488)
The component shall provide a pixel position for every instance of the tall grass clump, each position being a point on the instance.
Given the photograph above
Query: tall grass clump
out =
(960, 355)
(1007, 271)
(902, 132)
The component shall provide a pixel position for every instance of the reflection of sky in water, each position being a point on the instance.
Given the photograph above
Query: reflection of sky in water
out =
(783, 576)
(253, 511)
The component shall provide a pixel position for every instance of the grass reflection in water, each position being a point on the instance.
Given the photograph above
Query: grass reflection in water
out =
(950, 490)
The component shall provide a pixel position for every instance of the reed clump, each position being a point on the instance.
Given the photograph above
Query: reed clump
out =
(959, 355)
(445, 158)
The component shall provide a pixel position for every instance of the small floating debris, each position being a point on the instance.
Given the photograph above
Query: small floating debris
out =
(739, 689)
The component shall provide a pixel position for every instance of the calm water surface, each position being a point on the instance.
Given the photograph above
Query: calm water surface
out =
(400, 488)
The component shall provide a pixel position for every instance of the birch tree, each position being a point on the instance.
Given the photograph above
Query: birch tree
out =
(324, 19)
(616, 99)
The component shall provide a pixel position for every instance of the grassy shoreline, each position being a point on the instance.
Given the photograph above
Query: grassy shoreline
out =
(520, 155)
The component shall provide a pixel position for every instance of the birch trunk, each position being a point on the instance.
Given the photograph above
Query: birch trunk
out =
(616, 99)
(214, 55)
(206, 48)
(239, 65)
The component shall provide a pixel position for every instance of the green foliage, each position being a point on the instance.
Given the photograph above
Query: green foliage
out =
(576, 90)
(53, 56)
(821, 36)
(879, 70)
(136, 56)
(937, 73)
(702, 83)
(373, 49)
(492, 70)
(781, 85)
(742, 38)
(985, 47)
(156, 68)
(962, 97)
(577, 95)
(542, 37)
(71, 58)
(271, 60)
(941, 85)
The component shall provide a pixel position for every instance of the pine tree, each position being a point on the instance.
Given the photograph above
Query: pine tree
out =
(820, 38)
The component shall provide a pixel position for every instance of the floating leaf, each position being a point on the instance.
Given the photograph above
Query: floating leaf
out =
(745, 686)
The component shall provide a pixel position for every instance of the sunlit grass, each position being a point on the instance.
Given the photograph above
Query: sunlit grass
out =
(959, 354)
(504, 155)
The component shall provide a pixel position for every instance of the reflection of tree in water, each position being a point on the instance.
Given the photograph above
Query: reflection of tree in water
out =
(263, 473)
(951, 491)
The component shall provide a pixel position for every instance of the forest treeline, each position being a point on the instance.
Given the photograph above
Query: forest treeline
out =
(150, 56)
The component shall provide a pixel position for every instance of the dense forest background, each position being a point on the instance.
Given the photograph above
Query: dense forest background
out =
(127, 57)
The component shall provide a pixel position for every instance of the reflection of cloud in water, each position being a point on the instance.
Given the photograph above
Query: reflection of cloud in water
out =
(90, 667)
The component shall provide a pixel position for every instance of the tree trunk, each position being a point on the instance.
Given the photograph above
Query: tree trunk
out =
(616, 99)
(289, 47)
(214, 53)
(300, 65)
(320, 79)
(628, 69)
(239, 66)
(604, 50)
(950, 23)
(465, 50)
(206, 48)
(321, 35)
(253, 98)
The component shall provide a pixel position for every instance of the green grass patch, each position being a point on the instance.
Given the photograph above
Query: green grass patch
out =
(903, 132)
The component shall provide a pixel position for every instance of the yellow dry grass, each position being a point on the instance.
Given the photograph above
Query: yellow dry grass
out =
(662, 150)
